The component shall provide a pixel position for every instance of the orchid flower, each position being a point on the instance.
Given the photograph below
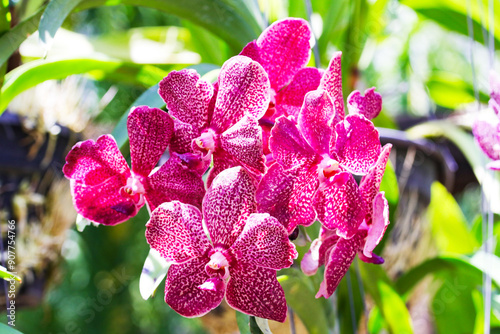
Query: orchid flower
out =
(237, 258)
(224, 125)
(364, 207)
(487, 134)
(320, 146)
(105, 190)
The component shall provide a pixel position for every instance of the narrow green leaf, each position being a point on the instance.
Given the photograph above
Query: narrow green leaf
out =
(449, 226)
(10, 41)
(53, 17)
(5, 329)
(232, 20)
(389, 302)
(263, 325)
(35, 72)
(7, 275)
(254, 327)
(375, 321)
(300, 296)
(154, 271)
(243, 322)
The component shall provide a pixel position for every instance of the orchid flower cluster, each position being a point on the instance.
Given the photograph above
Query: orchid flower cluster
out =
(278, 151)
(487, 133)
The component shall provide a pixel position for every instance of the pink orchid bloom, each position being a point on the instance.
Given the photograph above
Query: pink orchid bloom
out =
(321, 145)
(223, 125)
(105, 190)
(487, 134)
(238, 259)
(363, 207)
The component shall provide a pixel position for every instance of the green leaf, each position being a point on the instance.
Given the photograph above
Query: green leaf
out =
(450, 90)
(254, 327)
(5, 329)
(375, 321)
(10, 41)
(235, 21)
(209, 47)
(452, 15)
(154, 271)
(243, 322)
(7, 275)
(389, 302)
(263, 325)
(35, 72)
(300, 296)
(53, 17)
(449, 226)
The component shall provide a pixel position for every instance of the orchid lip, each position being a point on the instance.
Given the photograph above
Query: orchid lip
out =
(328, 167)
(134, 189)
(218, 262)
(206, 141)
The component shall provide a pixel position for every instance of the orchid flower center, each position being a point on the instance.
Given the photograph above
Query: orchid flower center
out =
(134, 189)
(207, 140)
(328, 167)
(218, 264)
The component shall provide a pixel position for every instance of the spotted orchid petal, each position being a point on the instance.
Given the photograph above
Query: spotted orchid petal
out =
(288, 145)
(264, 243)
(221, 161)
(93, 162)
(174, 181)
(357, 146)
(488, 138)
(314, 120)
(149, 131)
(187, 96)
(290, 99)
(332, 83)
(370, 183)
(102, 203)
(243, 89)
(339, 205)
(319, 251)
(183, 136)
(176, 232)
(255, 290)
(227, 204)
(339, 260)
(380, 221)
(282, 49)
(186, 290)
(368, 105)
(301, 199)
(244, 142)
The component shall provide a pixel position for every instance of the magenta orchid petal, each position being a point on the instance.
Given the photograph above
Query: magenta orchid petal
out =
(227, 204)
(288, 145)
(251, 50)
(494, 165)
(274, 191)
(221, 161)
(102, 203)
(183, 136)
(176, 232)
(488, 138)
(380, 221)
(187, 96)
(174, 181)
(244, 142)
(264, 243)
(149, 131)
(370, 183)
(301, 199)
(339, 205)
(255, 290)
(358, 145)
(375, 259)
(310, 260)
(332, 83)
(185, 292)
(339, 260)
(290, 99)
(243, 89)
(368, 105)
(314, 120)
(93, 162)
(283, 50)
